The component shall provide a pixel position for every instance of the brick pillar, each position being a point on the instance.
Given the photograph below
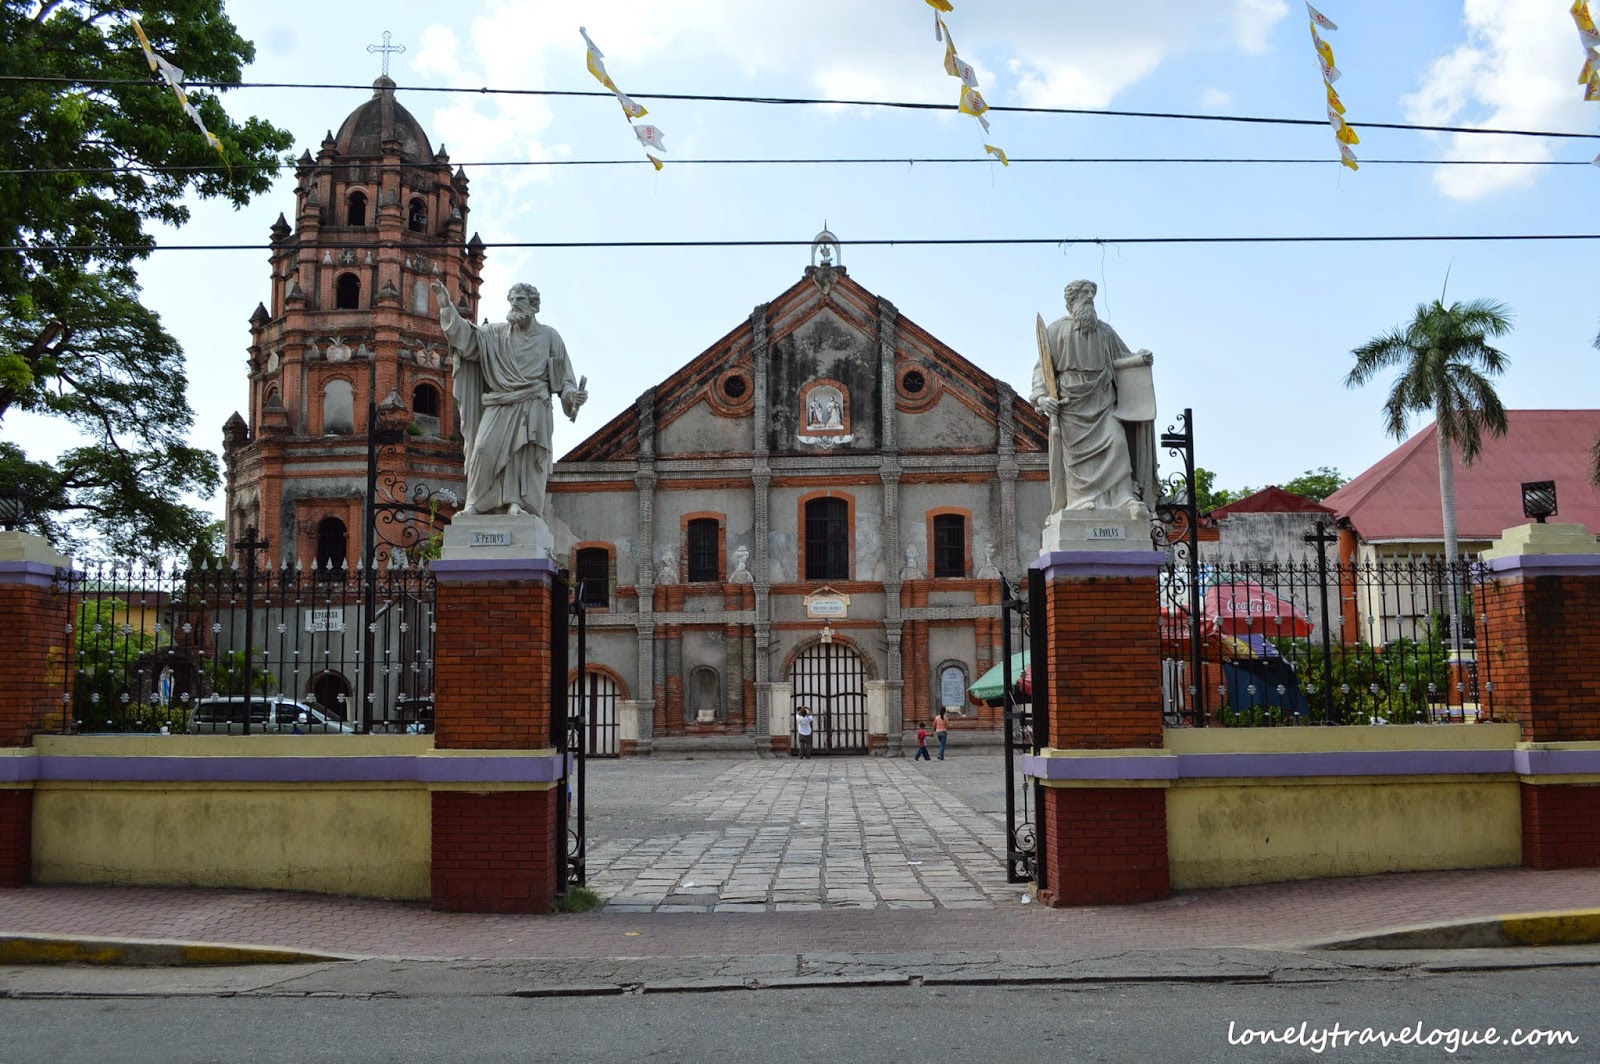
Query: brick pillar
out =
(32, 679)
(1541, 643)
(496, 843)
(1105, 839)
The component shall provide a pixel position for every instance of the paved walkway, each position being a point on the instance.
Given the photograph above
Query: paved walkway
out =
(792, 836)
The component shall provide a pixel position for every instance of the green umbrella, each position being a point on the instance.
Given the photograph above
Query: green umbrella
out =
(991, 686)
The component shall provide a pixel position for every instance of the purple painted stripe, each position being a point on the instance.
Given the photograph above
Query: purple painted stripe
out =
(1332, 763)
(22, 769)
(541, 768)
(1530, 565)
(1125, 563)
(475, 570)
(29, 574)
(1556, 762)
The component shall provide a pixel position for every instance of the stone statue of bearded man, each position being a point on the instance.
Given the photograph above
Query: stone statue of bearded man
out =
(505, 375)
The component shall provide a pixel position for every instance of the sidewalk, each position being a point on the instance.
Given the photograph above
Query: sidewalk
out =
(1274, 916)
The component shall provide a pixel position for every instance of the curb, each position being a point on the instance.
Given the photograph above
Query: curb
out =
(1576, 927)
(147, 953)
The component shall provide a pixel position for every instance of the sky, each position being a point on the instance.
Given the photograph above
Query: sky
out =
(1254, 337)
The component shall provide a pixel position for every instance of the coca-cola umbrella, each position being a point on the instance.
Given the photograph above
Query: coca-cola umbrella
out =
(1245, 608)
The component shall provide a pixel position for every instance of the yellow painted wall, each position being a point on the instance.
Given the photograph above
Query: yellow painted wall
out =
(369, 840)
(1237, 831)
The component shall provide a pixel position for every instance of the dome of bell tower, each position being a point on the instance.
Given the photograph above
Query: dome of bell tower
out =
(381, 119)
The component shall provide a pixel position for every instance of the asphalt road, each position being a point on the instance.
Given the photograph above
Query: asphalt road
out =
(1113, 1022)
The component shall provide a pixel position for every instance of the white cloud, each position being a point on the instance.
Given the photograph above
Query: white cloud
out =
(1215, 99)
(1517, 69)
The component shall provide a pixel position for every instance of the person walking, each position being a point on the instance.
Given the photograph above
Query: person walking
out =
(802, 729)
(941, 728)
(922, 743)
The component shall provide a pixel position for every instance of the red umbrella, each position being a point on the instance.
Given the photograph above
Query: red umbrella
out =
(1244, 608)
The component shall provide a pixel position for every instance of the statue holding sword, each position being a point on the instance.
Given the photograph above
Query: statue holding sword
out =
(1100, 399)
(505, 376)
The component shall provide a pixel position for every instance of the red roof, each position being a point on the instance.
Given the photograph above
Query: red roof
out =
(1398, 499)
(1273, 500)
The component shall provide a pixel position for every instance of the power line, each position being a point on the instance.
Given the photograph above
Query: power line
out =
(839, 161)
(804, 101)
(91, 249)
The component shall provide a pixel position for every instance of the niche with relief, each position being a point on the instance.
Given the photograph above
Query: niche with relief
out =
(824, 414)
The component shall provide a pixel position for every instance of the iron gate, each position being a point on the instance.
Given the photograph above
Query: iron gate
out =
(567, 727)
(1026, 722)
(600, 696)
(830, 680)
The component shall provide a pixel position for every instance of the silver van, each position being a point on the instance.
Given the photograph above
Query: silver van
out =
(269, 715)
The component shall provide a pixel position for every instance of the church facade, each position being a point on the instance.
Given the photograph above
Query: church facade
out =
(816, 509)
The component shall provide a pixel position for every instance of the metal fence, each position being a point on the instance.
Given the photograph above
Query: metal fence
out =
(154, 649)
(1314, 642)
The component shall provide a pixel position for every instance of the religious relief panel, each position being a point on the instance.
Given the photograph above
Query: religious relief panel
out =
(824, 414)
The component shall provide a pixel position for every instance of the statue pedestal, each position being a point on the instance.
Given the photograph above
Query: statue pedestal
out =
(1074, 530)
(497, 536)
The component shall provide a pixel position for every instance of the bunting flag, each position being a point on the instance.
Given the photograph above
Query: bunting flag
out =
(173, 76)
(971, 101)
(649, 136)
(1589, 38)
(1344, 134)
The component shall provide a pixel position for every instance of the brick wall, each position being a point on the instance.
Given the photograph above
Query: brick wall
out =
(1559, 826)
(1105, 663)
(32, 669)
(16, 837)
(1542, 646)
(494, 852)
(1106, 846)
(492, 665)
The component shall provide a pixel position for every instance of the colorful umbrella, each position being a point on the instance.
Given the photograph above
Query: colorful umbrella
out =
(1245, 608)
(991, 686)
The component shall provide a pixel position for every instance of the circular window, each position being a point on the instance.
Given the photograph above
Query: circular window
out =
(735, 386)
(914, 382)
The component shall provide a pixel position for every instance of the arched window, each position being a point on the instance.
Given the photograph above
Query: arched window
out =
(827, 539)
(593, 574)
(347, 292)
(704, 702)
(949, 545)
(330, 692)
(333, 546)
(425, 400)
(704, 544)
(338, 408)
(417, 217)
(356, 214)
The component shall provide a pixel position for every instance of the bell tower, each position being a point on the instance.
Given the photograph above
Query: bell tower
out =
(350, 330)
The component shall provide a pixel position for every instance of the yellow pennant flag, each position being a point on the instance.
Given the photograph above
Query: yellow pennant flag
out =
(1591, 67)
(1581, 16)
(942, 5)
(998, 153)
(1347, 158)
(1341, 131)
(653, 160)
(972, 104)
(598, 69)
(1319, 18)
(1591, 91)
(629, 107)
(1334, 102)
(957, 68)
(1324, 49)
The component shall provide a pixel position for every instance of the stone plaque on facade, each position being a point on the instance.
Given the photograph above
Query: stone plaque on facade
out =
(827, 603)
(324, 620)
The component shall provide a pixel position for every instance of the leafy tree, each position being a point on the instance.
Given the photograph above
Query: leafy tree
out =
(1209, 497)
(1445, 362)
(1317, 483)
(86, 159)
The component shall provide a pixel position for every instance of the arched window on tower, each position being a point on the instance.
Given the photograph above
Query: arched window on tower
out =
(357, 213)
(333, 547)
(347, 292)
(417, 218)
(425, 409)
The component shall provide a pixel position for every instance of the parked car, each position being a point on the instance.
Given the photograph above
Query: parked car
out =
(269, 715)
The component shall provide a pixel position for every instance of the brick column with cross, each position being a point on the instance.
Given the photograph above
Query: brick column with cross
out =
(496, 837)
(1542, 599)
(32, 679)
(1105, 838)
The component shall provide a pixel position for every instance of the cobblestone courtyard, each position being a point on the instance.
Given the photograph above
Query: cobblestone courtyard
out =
(782, 835)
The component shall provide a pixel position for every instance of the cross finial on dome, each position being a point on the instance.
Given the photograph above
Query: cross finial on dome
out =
(386, 48)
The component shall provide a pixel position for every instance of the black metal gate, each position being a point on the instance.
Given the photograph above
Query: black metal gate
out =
(600, 696)
(567, 727)
(830, 680)
(1026, 723)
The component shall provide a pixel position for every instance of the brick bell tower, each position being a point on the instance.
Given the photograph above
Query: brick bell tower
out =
(351, 321)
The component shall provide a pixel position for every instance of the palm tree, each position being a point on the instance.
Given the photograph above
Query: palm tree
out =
(1445, 362)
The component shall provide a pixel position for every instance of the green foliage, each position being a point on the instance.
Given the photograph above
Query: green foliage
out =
(227, 675)
(578, 900)
(86, 164)
(1209, 497)
(1317, 483)
(110, 641)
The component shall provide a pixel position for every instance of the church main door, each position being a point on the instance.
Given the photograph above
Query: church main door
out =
(830, 680)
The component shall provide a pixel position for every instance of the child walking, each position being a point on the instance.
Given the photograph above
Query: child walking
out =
(922, 743)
